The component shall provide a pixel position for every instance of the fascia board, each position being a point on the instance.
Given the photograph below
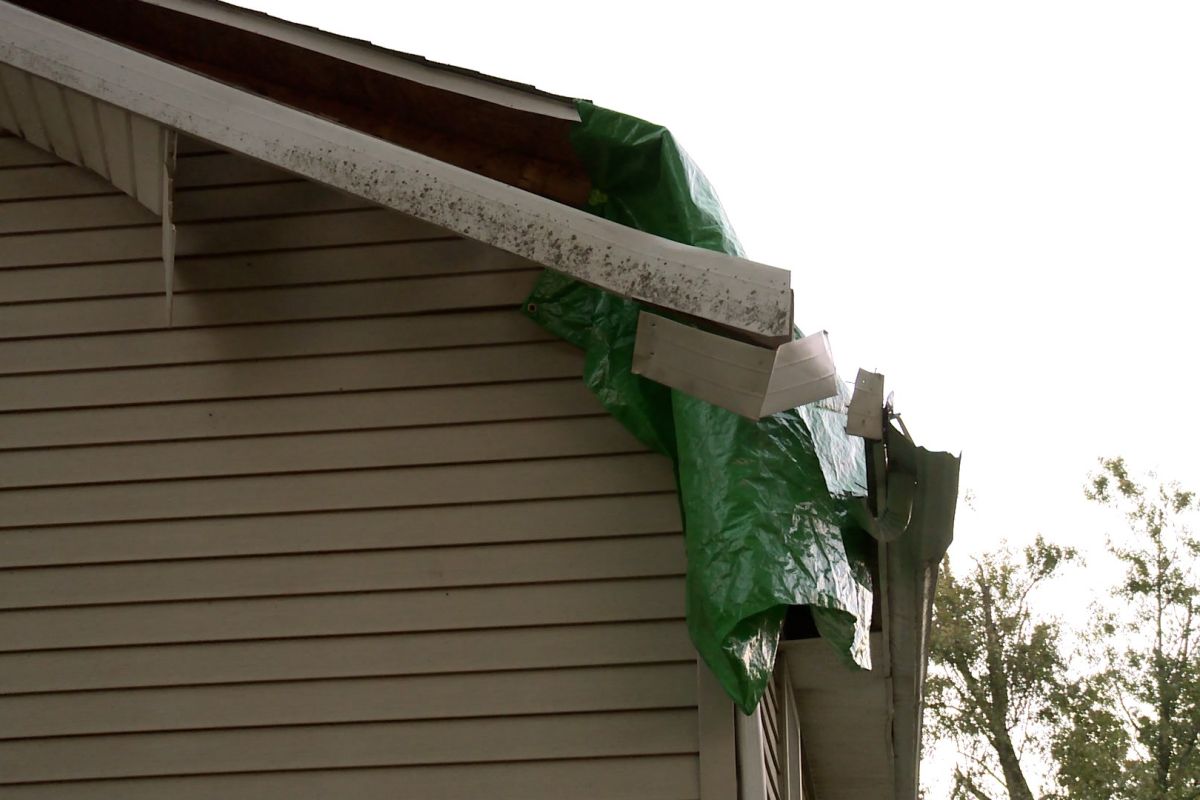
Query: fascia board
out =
(726, 290)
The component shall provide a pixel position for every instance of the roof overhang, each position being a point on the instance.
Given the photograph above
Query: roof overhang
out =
(749, 298)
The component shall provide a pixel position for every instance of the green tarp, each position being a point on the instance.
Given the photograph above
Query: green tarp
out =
(767, 505)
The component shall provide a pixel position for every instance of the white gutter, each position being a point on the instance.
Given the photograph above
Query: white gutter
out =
(730, 291)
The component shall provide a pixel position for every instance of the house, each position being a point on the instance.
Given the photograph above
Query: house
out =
(302, 495)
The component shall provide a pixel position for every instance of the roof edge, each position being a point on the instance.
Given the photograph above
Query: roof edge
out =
(744, 295)
(416, 68)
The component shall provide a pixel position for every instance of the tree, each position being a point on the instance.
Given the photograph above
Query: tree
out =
(997, 676)
(1132, 727)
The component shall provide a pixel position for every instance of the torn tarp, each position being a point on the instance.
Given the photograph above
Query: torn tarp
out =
(766, 504)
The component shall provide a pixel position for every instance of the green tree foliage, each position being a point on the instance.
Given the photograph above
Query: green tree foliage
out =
(1120, 719)
(1131, 727)
(997, 670)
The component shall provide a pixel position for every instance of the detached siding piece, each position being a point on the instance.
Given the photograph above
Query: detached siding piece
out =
(752, 381)
(352, 528)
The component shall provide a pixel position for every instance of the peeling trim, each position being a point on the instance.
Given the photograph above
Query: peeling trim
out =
(741, 294)
(752, 381)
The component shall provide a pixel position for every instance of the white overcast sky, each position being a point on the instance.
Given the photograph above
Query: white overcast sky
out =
(997, 205)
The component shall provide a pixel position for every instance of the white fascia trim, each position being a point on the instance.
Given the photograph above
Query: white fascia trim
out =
(374, 57)
(730, 291)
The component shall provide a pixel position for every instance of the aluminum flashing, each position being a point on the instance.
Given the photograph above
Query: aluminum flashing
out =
(366, 54)
(741, 294)
(748, 380)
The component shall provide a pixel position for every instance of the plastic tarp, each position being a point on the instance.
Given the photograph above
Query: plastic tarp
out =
(767, 505)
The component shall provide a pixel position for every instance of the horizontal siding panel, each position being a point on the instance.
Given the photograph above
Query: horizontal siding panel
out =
(559, 736)
(248, 270)
(417, 568)
(352, 700)
(306, 375)
(188, 146)
(224, 169)
(370, 298)
(231, 202)
(72, 213)
(347, 529)
(268, 340)
(195, 205)
(325, 615)
(265, 455)
(59, 179)
(646, 778)
(55, 180)
(531, 520)
(561, 397)
(206, 238)
(346, 656)
(16, 152)
(376, 488)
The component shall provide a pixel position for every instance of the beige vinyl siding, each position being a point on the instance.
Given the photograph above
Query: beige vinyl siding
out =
(352, 527)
